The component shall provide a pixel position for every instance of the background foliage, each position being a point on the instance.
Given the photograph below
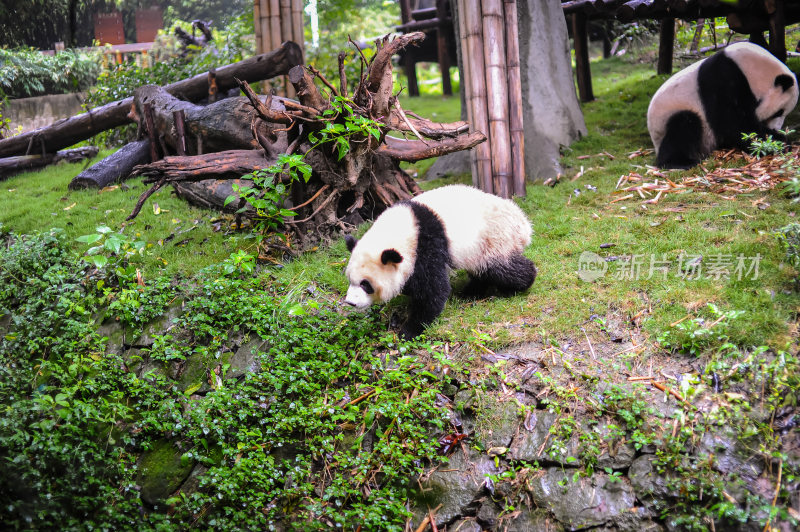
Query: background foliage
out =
(27, 72)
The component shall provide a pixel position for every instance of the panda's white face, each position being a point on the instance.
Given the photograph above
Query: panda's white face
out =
(383, 260)
(373, 279)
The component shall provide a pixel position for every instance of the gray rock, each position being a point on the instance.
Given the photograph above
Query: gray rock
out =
(161, 472)
(455, 486)
(730, 456)
(550, 105)
(539, 444)
(456, 163)
(586, 502)
(466, 525)
(244, 360)
(5, 324)
(115, 333)
(646, 482)
(529, 520)
(159, 325)
(495, 422)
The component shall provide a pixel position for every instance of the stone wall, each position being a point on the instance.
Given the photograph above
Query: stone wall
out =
(40, 111)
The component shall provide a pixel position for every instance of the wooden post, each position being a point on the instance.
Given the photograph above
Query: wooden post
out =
(151, 131)
(408, 54)
(494, 55)
(777, 28)
(474, 35)
(441, 44)
(666, 36)
(180, 129)
(212, 85)
(515, 123)
(582, 69)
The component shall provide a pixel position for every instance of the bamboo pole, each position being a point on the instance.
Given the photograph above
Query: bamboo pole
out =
(494, 53)
(474, 36)
(441, 48)
(287, 34)
(257, 26)
(275, 36)
(297, 24)
(286, 20)
(515, 123)
(264, 23)
(466, 81)
(266, 44)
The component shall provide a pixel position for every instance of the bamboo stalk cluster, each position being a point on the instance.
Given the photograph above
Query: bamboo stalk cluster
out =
(277, 21)
(492, 84)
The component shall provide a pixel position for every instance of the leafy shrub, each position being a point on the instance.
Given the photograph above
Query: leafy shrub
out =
(27, 72)
(789, 237)
(334, 433)
(695, 336)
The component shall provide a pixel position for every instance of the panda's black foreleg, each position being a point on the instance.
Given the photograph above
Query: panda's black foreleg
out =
(514, 275)
(423, 310)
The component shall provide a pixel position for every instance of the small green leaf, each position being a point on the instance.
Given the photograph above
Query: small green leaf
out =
(228, 200)
(193, 388)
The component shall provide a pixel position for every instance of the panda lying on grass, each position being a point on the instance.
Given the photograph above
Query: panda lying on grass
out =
(411, 246)
(708, 105)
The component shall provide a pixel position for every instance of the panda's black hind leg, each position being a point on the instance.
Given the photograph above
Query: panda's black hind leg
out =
(682, 145)
(512, 276)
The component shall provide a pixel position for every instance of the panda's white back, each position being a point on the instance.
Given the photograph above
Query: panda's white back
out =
(480, 227)
(678, 93)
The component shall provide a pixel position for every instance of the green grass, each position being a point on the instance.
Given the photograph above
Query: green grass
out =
(36, 201)
(564, 226)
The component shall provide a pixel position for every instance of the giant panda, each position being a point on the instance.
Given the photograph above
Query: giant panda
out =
(708, 105)
(411, 246)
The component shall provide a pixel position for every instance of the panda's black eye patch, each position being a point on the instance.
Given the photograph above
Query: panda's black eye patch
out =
(367, 287)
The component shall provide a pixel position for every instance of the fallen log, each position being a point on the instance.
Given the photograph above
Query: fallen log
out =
(353, 175)
(224, 125)
(116, 167)
(220, 165)
(417, 150)
(69, 131)
(21, 163)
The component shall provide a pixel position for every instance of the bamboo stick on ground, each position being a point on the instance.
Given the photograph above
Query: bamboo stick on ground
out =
(474, 36)
(515, 124)
(494, 56)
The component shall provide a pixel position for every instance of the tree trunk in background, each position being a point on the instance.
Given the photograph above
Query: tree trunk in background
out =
(553, 116)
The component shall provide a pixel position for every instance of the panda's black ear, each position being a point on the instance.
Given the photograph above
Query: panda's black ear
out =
(351, 242)
(784, 81)
(391, 255)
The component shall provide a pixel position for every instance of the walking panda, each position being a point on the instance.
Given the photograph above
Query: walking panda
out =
(412, 244)
(708, 105)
